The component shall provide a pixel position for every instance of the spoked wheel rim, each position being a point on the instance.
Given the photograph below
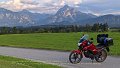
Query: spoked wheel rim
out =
(75, 58)
(102, 56)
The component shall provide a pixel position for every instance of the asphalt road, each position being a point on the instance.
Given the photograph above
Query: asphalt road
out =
(58, 58)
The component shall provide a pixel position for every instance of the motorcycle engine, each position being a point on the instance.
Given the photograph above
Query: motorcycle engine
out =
(88, 54)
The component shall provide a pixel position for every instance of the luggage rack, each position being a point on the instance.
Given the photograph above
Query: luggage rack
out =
(104, 40)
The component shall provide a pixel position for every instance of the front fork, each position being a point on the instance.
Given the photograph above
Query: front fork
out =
(78, 52)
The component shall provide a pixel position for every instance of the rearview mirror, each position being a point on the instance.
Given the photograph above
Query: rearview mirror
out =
(91, 38)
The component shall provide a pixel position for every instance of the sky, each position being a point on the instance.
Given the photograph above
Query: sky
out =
(97, 7)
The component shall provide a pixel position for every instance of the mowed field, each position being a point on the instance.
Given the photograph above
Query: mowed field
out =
(10, 62)
(55, 41)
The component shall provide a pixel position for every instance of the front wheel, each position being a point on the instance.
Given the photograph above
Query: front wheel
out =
(102, 55)
(75, 57)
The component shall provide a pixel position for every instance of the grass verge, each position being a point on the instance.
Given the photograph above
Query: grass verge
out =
(10, 62)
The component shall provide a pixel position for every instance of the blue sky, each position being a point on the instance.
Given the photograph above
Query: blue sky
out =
(97, 7)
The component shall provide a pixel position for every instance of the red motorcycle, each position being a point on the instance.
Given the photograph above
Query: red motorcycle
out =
(89, 50)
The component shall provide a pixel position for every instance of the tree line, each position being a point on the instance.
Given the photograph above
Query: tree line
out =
(97, 27)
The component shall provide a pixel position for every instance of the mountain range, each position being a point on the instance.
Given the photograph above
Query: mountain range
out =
(21, 18)
(65, 16)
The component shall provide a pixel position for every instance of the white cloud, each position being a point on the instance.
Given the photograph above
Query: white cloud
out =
(62, 2)
(92, 1)
(16, 2)
(29, 2)
(17, 5)
(73, 2)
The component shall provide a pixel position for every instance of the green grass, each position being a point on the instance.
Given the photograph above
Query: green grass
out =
(114, 30)
(54, 41)
(10, 62)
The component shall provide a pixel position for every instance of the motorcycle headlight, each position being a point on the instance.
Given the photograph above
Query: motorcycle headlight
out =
(79, 44)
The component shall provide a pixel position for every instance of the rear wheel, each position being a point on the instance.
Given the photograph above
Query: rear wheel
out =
(75, 57)
(101, 56)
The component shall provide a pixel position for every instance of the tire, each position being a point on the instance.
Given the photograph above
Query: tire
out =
(75, 58)
(102, 56)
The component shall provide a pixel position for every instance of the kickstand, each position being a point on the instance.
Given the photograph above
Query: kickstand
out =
(92, 60)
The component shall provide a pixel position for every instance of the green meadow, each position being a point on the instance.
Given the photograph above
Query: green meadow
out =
(55, 41)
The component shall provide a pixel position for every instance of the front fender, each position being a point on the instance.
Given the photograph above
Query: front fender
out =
(77, 51)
